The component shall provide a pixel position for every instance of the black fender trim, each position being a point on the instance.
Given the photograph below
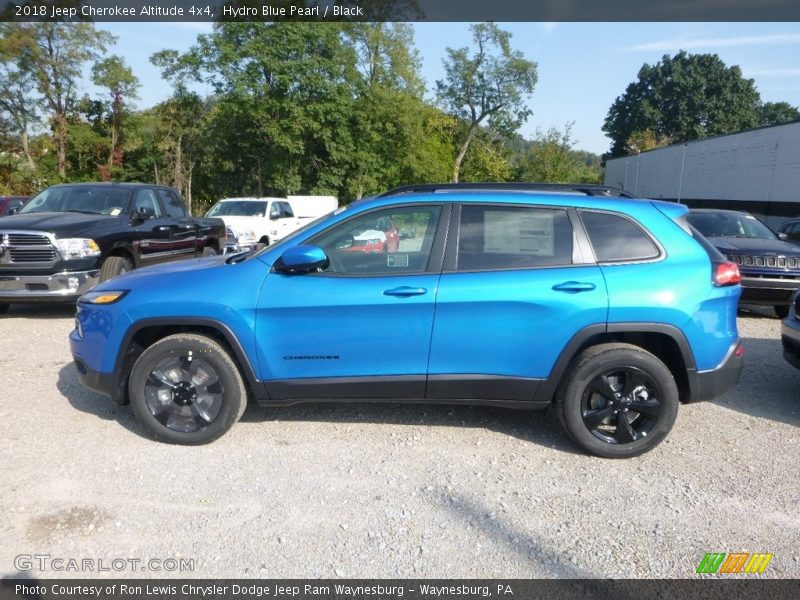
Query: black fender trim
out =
(259, 390)
(547, 390)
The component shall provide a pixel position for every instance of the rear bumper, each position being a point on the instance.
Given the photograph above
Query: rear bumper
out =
(61, 287)
(707, 385)
(766, 290)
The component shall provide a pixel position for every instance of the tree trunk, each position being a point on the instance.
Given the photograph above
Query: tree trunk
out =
(116, 157)
(61, 142)
(26, 148)
(473, 128)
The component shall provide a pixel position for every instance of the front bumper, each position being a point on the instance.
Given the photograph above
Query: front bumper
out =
(707, 385)
(767, 290)
(61, 287)
(107, 384)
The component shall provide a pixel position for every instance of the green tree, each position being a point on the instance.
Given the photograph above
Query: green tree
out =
(550, 158)
(681, 98)
(775, 113)
(113, 74)
(488, 86)
(54, 55)
(19, 101)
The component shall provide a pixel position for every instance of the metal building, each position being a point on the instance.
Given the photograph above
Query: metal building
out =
(756, 170)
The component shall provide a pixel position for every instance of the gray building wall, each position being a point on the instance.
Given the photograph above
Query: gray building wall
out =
(756, 170)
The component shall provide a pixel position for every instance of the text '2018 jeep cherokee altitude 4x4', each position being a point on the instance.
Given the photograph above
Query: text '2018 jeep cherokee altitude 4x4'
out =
(610, 308)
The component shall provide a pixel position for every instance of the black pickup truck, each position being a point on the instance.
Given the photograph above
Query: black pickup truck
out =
(70, 237)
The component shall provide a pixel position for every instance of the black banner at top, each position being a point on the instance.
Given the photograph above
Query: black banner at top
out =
(400, 10)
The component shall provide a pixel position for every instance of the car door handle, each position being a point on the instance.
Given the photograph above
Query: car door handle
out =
(404, 291)
(573, 287)
(163, 228)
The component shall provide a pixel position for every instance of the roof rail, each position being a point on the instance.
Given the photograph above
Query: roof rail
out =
(587, 189)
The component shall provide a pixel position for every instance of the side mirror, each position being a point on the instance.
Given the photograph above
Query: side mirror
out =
(783, 236)
(144, 213)
(14, 210)
(274, 215)
(301, 259)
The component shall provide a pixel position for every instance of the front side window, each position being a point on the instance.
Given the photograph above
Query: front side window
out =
(616, 238)
(146, 199)
(513, 237)
(369, 244)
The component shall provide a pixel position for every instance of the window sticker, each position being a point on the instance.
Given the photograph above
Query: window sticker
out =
(397, 260)
(518, 232)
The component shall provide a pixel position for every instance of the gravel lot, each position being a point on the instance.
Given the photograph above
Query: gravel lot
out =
(390, 491)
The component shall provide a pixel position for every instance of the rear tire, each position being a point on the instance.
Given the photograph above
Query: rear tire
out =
(781, 311)
(618, 401)
(114, 266)
(186, 389)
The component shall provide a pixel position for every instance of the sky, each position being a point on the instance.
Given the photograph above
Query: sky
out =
(582, 67)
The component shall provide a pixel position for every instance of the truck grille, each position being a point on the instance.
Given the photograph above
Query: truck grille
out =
(21, 248)
(775, 262)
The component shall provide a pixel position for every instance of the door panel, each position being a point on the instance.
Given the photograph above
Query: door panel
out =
(512, 323)
(362, 327)
(152, 236)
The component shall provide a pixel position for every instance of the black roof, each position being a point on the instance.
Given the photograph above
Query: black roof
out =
(586, 189)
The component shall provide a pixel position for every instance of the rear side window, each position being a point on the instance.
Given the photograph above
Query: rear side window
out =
(616, 238)
(513, 237)
(173, 204)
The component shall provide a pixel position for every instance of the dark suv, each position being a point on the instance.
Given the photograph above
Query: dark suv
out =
(611, 310)
(770, 266)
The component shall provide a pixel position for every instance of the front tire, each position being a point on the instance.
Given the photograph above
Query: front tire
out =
(618, 401)
(114, 266)
(186, 389)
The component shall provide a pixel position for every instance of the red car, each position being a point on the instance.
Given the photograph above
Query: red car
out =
(382, 236)
(12, 203)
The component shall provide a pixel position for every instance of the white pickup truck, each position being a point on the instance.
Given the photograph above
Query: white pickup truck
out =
(251, 221)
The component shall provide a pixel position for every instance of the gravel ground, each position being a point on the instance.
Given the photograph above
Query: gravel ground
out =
(390, 491)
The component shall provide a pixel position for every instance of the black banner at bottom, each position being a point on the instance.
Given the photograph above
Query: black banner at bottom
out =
(749, 588)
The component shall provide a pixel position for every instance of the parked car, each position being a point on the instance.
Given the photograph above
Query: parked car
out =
(265, 221)
(770, 266)
(379, 236)
(790, 230)
(613, 311)
(70, 237)
(11, 204)
(790, 332)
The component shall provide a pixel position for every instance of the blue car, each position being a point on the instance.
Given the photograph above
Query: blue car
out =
(612, 310)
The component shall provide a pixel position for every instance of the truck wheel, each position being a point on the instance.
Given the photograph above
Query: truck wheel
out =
(618, 401)
(209, 251)
(186, 389)
(3, 309)
(113, 266)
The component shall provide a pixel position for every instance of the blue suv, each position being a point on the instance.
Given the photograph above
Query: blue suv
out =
(613, 310)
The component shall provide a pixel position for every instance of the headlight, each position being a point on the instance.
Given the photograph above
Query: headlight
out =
(77, 248)
(102, 297)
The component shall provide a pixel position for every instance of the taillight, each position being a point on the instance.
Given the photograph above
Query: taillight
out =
(726, 273)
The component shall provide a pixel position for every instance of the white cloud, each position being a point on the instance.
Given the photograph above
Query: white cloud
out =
(771, 39)
(772, 72)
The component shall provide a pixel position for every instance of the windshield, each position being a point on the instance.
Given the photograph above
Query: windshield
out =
(730, 225)
(238, 208)
(93, 200)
